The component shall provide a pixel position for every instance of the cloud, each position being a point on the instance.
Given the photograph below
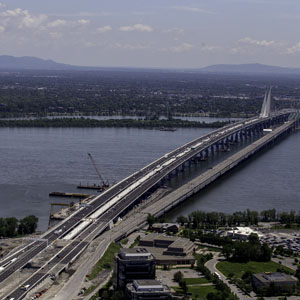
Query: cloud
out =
(83, 22)
(2, 29)
(104, 29)
(56, 35)
(63, 23)
(262, 43)
(137, 27)
(2, 5)
(22, 18)
(174, 30)
(237, 50)
(294, 49)
(194, 9)
(131, 46)
(84, 14)
(89, 44)
(57, 23)
(182, 48)
(206, 48)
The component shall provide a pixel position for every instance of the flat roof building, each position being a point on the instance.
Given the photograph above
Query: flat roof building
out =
(277, 279)
(242, 233)
(147, 290)
(169, 250)
(133, 263)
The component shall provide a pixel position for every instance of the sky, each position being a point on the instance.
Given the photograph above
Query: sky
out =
(153, 33)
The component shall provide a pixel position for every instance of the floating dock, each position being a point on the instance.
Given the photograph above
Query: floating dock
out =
(69, 195)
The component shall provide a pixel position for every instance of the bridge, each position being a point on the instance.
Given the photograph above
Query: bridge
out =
(83, 226)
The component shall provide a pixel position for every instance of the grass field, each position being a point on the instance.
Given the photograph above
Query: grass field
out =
(190, 281)
(238, 269)
(199, 292)
(106, 261)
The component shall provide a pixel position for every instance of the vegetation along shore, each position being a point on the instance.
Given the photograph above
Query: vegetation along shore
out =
(130, 123)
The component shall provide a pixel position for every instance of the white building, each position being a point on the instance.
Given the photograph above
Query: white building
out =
(242, 233)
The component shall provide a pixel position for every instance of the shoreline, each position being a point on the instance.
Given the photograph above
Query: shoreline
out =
(92, 123)
(121, 116)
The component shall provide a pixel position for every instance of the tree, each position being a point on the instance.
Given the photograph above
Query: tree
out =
(118, 295)
(266, 253)
(2, 227)
(182, 220)
(214, 296)
(227, 251)
(28, 225)
(297, 274)
(247, 276)
(105, 294)
(178, 276)
(11, 227)
(151, 220)
(183, 286)
(253, 238)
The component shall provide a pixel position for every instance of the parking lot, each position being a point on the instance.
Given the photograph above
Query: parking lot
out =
(289, 240)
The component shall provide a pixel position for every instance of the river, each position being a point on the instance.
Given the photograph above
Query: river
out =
(37, 161)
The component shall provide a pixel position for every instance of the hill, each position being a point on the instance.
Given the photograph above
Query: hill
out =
(30, 63)
(249, 69)
(33, 63)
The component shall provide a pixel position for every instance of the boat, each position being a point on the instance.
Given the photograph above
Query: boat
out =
(72, 195)
(167, 129)
(91, 187)
(99, 188)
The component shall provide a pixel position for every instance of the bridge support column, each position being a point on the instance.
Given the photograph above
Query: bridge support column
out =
(221, 146)
(231, 140)
(236, 137)
(213, 149)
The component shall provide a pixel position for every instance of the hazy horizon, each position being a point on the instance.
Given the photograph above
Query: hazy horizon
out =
(153, 34)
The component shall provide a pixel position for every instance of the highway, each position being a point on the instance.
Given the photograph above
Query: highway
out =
(142, 181)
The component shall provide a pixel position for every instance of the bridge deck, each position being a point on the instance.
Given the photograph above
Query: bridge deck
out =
(166, 203)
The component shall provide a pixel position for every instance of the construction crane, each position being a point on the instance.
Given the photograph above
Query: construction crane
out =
(103, 184)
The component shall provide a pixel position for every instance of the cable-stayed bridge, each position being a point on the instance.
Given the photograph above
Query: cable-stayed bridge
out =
(79, 229)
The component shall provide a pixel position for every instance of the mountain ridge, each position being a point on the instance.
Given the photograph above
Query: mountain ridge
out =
(8, 62)
(256, 68)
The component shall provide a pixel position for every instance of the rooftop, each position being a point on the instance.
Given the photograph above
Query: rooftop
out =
(180, 243)
(134, 253)
(156, 236)
(147, 284)
(244, 231)
(274, 277)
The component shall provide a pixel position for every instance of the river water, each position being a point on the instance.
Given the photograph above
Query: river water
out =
(37, 161)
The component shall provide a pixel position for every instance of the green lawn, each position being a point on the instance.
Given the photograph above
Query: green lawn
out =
(106, 261)
(89, 290)
(238, 269)
(199, 292)
(195, 280)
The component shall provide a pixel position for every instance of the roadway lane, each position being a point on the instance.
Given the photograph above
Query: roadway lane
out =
(6, 260)
(62, 258)
(22, 261)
